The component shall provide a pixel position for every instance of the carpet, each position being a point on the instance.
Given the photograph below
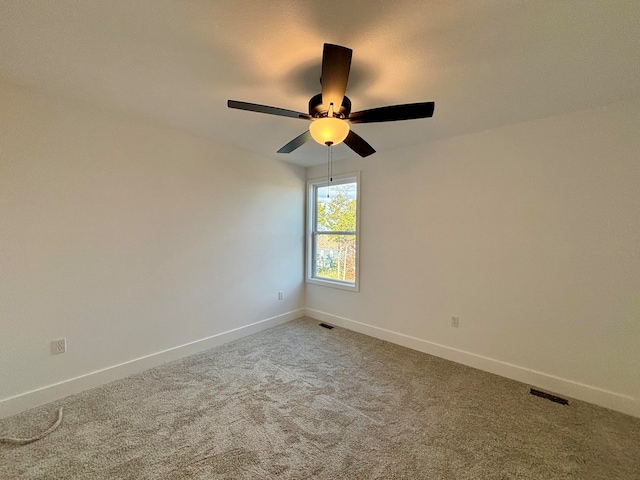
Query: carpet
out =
(301, 401)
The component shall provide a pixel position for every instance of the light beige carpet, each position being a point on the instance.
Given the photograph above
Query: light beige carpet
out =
(299, 401)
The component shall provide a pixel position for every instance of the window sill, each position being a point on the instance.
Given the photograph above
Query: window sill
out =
(334, 284)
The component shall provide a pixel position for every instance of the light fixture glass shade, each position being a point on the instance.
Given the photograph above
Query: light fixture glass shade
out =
(329, 129)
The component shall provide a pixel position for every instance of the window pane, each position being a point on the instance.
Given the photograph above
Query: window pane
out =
(337, 211)
(336, 257)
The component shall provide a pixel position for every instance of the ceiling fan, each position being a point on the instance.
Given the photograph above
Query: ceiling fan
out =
(330, 111)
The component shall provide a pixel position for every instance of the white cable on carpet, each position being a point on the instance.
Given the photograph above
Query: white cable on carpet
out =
(24, 441)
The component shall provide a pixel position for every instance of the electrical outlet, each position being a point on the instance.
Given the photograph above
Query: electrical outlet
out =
(280, 295)
(455, 322)
(58, 346)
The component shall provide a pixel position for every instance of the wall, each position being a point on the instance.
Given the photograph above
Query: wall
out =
(130, 239)
(529, 233)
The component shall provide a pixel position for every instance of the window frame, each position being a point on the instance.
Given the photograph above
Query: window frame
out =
(311, 234)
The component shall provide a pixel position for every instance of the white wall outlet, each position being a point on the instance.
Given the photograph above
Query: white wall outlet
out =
(58, 346)
(280, 295)
(455, 322)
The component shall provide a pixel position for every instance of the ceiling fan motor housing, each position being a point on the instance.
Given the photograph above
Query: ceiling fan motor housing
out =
(316, 110)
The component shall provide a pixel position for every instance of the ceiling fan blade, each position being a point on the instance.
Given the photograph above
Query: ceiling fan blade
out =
(336, 63)
(254, 107)
(392, 113)
(296, 142)
(356, 143)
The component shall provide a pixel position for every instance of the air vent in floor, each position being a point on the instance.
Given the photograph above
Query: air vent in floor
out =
(548, 396)
(326, 326)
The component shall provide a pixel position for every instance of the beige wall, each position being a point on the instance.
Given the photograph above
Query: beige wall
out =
(129, 239)
(529, 233)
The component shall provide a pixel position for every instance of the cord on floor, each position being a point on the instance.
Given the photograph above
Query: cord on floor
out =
(24, 441)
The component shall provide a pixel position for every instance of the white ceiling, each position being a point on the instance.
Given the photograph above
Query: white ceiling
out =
(486, 63)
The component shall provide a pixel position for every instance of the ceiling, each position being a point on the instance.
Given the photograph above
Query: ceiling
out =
(486, 63)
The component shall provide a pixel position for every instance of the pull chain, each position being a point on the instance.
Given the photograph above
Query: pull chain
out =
(331, 160)
(329, 167)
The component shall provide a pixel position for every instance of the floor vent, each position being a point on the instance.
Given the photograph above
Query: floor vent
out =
(326, 326)
(548, 396)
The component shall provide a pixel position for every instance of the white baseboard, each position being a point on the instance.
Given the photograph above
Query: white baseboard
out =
(34, 398)
(587, 393)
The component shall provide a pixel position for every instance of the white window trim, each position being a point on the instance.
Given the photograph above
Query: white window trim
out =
(322, 182)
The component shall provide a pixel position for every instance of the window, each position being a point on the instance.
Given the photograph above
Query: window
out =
(332, 235)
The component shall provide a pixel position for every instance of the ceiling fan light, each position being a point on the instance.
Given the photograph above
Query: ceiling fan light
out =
(329, 130)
